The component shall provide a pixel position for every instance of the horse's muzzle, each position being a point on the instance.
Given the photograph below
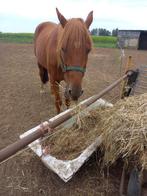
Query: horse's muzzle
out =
(73, 92)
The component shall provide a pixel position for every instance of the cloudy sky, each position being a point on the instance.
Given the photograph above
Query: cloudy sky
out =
(25, 15)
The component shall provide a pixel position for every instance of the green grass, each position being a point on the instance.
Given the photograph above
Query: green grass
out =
(99, 41)
(17, 37)
(104, 41)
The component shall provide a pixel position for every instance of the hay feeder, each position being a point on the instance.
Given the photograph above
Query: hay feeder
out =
(66, 169)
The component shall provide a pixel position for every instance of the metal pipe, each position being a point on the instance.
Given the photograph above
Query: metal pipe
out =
(71, 112)
(45, 127)
(22, 143)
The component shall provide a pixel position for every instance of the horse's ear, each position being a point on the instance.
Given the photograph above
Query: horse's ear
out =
(89, 19)
(61, 18)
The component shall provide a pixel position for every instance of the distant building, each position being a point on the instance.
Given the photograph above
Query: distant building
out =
(136, 39)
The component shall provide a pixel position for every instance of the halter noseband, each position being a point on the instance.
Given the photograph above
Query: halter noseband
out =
(66, 68)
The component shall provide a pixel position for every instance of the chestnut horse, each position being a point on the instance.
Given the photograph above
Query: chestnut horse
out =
(62, 52)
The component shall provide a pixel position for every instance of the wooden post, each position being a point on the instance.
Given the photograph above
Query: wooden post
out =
(128, 67)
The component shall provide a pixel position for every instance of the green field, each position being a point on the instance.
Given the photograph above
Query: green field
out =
(17, 37)
(99, 41)
(104, 41)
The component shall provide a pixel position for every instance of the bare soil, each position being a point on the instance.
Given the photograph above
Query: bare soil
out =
(23, 107)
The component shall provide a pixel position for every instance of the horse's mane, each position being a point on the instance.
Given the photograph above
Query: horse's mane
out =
(74, 35)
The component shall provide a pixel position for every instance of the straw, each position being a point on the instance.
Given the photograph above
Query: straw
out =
(123, 128)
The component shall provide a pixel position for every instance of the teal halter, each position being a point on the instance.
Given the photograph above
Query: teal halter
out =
(73, 68)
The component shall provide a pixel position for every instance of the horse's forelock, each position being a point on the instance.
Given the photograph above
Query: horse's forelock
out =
(74, 34)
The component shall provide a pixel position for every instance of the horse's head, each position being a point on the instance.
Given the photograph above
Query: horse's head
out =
(74, 47)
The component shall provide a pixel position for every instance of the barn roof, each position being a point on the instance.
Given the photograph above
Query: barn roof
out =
(132, 30)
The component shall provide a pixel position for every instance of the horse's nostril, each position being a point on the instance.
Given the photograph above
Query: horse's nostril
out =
(82, 92)
(69, 91)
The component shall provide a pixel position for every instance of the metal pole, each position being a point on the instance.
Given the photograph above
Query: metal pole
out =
(22, 143)
(71, 112)
(45, 127)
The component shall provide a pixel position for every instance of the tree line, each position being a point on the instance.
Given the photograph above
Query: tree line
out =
(104, 32)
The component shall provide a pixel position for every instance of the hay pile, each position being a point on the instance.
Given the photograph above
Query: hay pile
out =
(124, 130)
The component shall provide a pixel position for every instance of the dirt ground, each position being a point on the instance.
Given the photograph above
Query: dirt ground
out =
(23, 107)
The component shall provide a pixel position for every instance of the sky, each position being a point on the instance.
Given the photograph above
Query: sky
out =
(25, 15)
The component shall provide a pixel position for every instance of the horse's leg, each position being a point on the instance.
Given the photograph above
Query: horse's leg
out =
(55, 91)
(43, 76)
(42, 90)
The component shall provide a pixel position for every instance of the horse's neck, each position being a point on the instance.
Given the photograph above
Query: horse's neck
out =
(52, 53)
(53, 42)
(51, 46)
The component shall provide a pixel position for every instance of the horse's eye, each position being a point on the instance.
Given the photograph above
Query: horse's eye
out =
(63, 50)
(88, 50)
